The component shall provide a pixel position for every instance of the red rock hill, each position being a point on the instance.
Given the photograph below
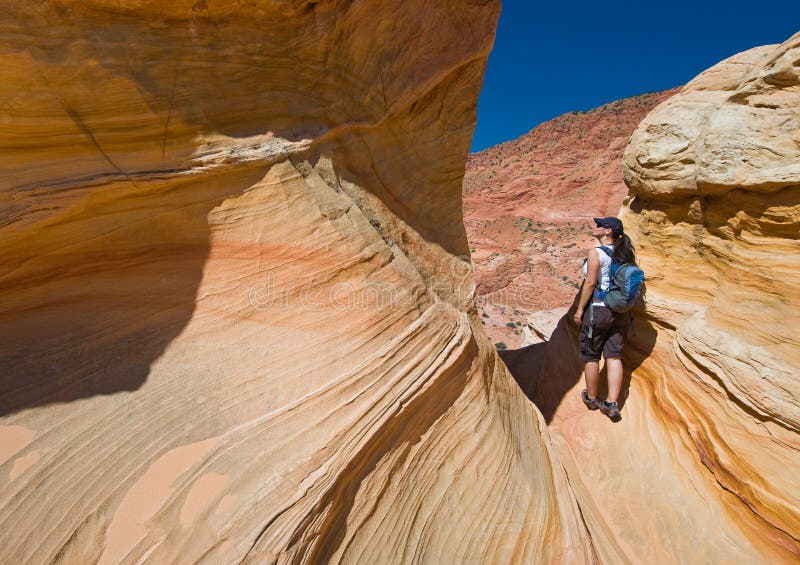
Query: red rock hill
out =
(528, 205)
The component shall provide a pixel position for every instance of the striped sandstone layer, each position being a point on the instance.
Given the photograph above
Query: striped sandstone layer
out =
(702, 467)
(235, 316)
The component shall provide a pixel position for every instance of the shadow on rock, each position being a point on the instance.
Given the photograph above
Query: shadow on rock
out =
(524, 364)
(546, 372)
(89, 303)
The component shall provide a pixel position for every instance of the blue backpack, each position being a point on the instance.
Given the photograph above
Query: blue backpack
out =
(627, 285)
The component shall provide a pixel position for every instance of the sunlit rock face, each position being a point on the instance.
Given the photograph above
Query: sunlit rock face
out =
(236, 313)
(702, 468)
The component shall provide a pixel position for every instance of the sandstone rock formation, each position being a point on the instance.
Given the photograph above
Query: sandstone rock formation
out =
(236, 320)
(528, 205)
(708, 446)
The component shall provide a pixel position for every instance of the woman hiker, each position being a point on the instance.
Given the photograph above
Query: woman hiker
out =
(603, 331)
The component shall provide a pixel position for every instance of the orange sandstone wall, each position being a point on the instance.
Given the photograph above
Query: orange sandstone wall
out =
(235, 318)
(702, 467)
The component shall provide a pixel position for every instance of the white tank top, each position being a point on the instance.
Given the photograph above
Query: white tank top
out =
(604, 282)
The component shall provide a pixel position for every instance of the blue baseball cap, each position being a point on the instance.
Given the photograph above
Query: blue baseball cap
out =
(610, 222)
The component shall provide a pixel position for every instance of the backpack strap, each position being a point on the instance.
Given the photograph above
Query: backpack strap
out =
(611, 271)
(613, 267)
(609, 253)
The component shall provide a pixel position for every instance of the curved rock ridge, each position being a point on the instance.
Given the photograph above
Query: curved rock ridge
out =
(709, 443)
(236, 318)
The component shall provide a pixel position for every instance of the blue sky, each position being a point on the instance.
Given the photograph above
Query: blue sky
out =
(554, 57)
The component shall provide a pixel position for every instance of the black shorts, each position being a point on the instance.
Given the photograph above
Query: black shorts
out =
(608, 334)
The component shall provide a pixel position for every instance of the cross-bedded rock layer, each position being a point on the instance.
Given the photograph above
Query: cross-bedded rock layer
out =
(237, 322)
(708, 445)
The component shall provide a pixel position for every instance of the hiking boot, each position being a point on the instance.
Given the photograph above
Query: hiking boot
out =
(591, 403)
(611, 409)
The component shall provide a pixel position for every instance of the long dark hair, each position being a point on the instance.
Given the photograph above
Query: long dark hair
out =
(624, 251)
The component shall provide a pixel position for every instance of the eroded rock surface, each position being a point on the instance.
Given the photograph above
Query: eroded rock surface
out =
(236, 317)
(709, 444)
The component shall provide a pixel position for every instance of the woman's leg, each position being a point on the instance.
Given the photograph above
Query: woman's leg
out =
(592, 375)
(614, 370)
